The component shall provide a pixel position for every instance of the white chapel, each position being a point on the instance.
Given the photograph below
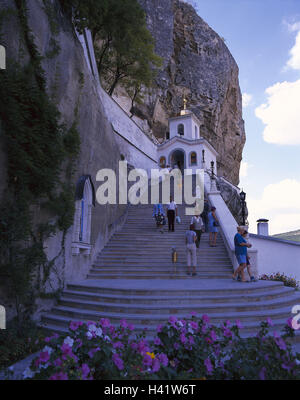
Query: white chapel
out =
(184, 147)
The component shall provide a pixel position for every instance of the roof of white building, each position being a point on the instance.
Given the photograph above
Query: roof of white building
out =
(190, 142)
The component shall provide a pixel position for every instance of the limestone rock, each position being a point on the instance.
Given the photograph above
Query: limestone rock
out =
(197, 63)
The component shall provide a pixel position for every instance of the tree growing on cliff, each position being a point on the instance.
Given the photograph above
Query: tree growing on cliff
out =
(123, 45)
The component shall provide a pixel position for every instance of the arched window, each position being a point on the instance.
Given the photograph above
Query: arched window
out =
(162, 162)
(180, 129)
(193, 158)
(85, 199)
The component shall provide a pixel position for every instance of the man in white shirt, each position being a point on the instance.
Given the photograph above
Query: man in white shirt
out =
(172, 211)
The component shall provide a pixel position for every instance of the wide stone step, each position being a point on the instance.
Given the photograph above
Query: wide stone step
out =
(174, 300)
(158, 276)
(195, 288)
(154, 269)
(146, 309)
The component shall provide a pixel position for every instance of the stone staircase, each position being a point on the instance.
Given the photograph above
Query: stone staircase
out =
(133, 278)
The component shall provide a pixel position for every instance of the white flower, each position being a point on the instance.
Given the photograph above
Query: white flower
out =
(89, 335)
(107, 338)
(92, 328)
(44, 366)
(28, 373)
(190, 330)
(98, 332)
(179, 323)
(48, 349)
(69, 341)
(297, 361)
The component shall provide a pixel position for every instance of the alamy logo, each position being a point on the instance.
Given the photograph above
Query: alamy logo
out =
(2, 318)
(295, 319)
(2, 57)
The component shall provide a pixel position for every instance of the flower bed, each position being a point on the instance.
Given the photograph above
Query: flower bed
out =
(291, 282)
(189, 348)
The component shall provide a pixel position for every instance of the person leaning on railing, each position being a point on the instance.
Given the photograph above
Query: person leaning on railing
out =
(241, 253)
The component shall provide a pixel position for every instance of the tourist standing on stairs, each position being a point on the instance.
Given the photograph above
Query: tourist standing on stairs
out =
(240, 253)
(172, 211)
(248, 264)
(191, 252)
(213, 224)
(204, 214)
(198, 228)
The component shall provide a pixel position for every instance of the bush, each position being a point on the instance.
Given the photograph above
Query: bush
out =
(189, 348)
(15, 346)
(291, 282)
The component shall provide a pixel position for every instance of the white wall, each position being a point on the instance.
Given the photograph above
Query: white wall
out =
(277, 256)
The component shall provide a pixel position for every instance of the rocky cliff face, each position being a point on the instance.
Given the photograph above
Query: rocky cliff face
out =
(198, 64)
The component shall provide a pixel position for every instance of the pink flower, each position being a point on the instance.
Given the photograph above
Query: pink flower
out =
(183, 338)
(131, 327)
(289, 322)
(280, 343)
(286, 366)
(147, 360)
(238, 324)
(123, 323)
(208, 365)
(159, 328)
(104, 322)
(118, 361)
(79, 341)
(156, 365)
(227, 332)
(172, 321)
(163, 359)
(205, 318)
(85, 371)
(193, 313)
(213, 335)
(191, 340)
(269, 321)
(74, 325)
(44, 356)
(92, 352)
(118, 345)
(194, 325)
(157, 341)
(143, 347)
(134, 346)
(176, 346)
(60, 376)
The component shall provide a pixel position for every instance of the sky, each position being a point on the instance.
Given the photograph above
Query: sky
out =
(264, 38)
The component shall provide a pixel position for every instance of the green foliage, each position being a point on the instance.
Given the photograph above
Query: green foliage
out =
(123, 45)
(40, 152)
(188, 348)
(15, 346)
